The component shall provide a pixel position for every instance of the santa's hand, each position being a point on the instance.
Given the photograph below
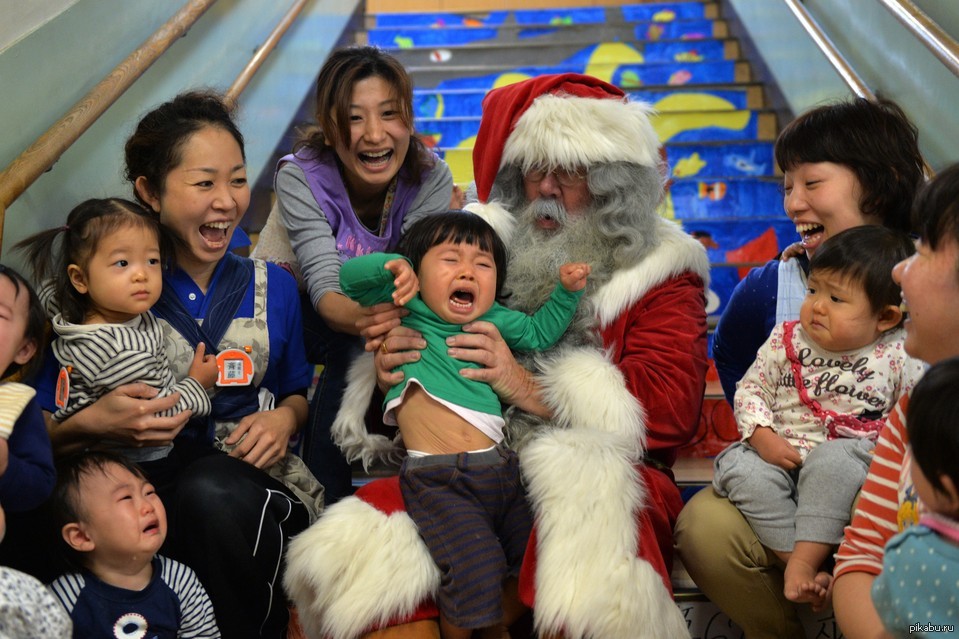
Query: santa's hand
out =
(572, 275)
(482, 344)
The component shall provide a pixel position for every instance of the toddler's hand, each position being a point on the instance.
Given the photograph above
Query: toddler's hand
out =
(405, 281)
(203, 369)
(572, 275)
(774, 449)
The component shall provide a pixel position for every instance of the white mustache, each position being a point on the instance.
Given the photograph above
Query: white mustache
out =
(548, 209)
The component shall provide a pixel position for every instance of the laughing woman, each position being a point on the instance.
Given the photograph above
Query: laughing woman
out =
(844, 164)
(352, 186)
(229, 520)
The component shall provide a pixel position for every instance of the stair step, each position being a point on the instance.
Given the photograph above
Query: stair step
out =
(406, 37)
(646, 12)
(676, 126)
(630, 75)
(702, 160)
(569, 52)
(428, 103)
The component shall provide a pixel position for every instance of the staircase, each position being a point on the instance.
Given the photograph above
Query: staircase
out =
(712, 119)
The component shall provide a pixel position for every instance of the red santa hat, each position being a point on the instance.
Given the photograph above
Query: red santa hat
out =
(567, 120)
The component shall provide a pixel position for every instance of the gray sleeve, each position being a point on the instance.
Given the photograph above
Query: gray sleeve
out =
(311, 237)
(434, 195)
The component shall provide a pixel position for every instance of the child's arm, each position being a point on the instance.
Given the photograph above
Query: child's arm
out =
(754, 404)
(368, 280)
(405, 281)
(774, 449)
(203, 369)
(572, 275)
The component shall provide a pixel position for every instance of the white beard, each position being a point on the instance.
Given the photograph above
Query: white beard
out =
(532, 274)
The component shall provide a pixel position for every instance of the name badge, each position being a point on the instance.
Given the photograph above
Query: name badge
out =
(235, 367)
(62, 397)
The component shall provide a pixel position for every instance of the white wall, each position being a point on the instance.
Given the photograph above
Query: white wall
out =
(21, 18)
(53, 66)
(887, 56)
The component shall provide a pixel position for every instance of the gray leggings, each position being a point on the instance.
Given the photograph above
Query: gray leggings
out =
(812, 503)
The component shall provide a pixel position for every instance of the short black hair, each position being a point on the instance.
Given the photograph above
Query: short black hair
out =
(935, 213)
(866, 254)
(873, 139)
(65, 501)
(457, 227)
(931, 422)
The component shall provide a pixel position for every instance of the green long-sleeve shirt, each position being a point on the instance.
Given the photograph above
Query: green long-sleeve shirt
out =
(365, 280)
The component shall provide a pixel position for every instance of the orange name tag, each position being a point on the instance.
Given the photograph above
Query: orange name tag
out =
(63, 388)
(235, 367)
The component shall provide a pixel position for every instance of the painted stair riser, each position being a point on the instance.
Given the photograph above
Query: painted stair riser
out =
(405, 38)
(713, 161)
(567, 53)
(651, 12)
(469, 103)
(671, 127)
(627, 76)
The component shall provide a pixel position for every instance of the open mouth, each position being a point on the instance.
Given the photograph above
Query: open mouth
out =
(462, 300)
(376, 159)
(215, 232)
(152, 528)
(809, 233)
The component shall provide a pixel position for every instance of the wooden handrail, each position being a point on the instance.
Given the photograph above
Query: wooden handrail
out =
(262, 52)
(928, 32)
(43, 154)
(825, 45)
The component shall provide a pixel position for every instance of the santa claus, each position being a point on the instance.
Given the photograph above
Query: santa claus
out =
(566, 169)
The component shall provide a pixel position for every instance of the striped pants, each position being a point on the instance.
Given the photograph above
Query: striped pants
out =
(472, 514)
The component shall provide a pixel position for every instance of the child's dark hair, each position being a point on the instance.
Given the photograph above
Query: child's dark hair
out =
(156, 146)
(456, 227)
(875, 140)
(87, 224)
(866, 254)
(36, 323)
(931, 422)
(65, 503)
(936, 210)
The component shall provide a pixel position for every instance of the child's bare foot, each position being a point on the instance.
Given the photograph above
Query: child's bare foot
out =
(805, 584)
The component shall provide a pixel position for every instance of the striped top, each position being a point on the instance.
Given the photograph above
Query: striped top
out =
(174, 604)
(888, 502)
(14, 397)
(102, 357)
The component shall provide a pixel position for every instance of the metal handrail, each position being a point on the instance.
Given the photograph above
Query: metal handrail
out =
(928, 32)
(263, 51)
(47, 149)
(845, 70)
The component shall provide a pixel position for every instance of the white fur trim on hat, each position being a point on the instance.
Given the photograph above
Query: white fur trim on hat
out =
(589, 581)
(349, 428)
(502, 221)
(357, 567)
(568, 131)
